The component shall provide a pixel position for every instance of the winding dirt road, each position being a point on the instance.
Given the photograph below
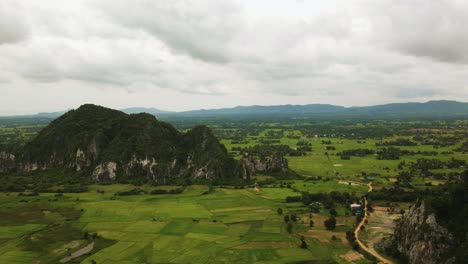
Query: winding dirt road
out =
(358, 228)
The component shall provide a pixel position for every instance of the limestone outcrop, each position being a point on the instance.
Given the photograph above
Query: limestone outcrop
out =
(272, 163)
(420, 239)
(105, 172)
(7, 161)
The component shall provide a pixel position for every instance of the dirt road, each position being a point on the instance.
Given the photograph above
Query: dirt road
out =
(78, 253)
(358, 228)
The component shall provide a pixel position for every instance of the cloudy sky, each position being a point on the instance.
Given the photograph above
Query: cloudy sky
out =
(182, 54)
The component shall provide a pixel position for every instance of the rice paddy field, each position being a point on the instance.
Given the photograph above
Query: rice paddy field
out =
(224, 226)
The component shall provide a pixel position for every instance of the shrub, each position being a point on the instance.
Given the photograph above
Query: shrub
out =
(330, 223)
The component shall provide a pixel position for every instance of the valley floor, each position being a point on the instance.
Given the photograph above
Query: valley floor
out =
(224, 226)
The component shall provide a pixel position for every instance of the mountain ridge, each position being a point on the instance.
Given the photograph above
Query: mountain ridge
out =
(434, 107)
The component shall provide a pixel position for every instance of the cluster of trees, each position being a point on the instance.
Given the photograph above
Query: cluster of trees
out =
(397, 142)
(293, 199)
(139, 191)
(268, 141)
(437, 141)
(450, 206)
(356, 152)
(292, 136)
(392, 153)
(28, 194)
(330, 223)
(329, 199)
(274, 133)
(172, 191)
(21, 186)
(388, 153)
(348, 129)
(73, 188)
(238, 134)
(304, 145)
(424, 165)
(289, 220)
(397, 194)
(263, 151)
(352, 240)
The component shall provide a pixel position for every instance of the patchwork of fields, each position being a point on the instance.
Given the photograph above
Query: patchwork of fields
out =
(225, 226)
(327, 163)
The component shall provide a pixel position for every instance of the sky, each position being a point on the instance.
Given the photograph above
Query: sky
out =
(183, 55)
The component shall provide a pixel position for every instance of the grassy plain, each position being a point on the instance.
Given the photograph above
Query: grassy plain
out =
(316, 163)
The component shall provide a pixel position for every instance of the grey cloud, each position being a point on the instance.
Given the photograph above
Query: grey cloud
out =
(13, 27)
(186, 54)
(221, 32)
(199, 28)
(432, 29)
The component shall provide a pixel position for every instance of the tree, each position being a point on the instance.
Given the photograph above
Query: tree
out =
(286, 218)
(355, 246)
(333, 212)
(303, 242)
(279, 211)
(311, 223)
(350, 237)
(293, 217)
(330, 223)
(289, 227)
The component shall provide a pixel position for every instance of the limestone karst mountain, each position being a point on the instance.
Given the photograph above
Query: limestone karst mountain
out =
(112, 144)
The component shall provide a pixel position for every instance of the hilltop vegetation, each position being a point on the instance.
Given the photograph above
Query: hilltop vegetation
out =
(112, 144)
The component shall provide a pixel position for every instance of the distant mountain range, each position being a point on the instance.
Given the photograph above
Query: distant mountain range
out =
(441, 108)
(273, 109)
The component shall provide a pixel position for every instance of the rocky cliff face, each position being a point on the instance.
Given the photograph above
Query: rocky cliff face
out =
(105, 172)
(207, 158)
(111, 145)
(7, 162)
(420, 239)
(272, 163)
